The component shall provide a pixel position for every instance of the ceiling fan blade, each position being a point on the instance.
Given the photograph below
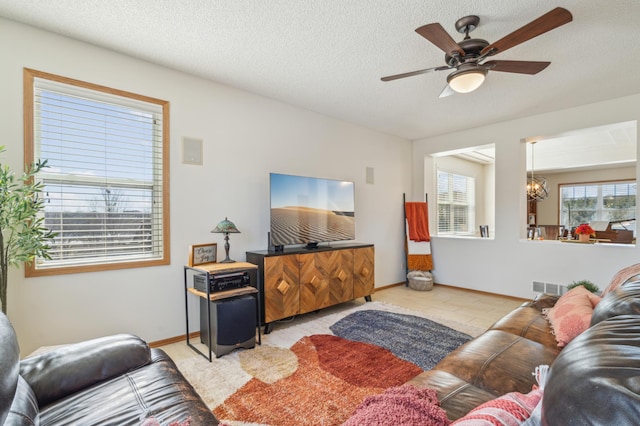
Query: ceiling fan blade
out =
(547, 22)
(447, 91)
(521, 67)
(438, 36)
(412, 73)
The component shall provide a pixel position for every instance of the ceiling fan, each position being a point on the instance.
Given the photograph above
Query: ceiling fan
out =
(466, 57)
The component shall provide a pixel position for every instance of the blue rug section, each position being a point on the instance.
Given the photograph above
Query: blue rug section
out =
(411, 338)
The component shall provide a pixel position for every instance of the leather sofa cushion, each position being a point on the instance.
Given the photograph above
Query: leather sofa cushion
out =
(498, 362)
(157, 390)
(528, 322)
(24, 409)
(596, 379)
(543, 301)
(60, 372)
(9, 366)
(624, 300)
(456, 396)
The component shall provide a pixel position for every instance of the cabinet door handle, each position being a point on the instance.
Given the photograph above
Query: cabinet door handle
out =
(364, 271)
(283, 287)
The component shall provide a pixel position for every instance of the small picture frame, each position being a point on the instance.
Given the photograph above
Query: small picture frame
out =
(200, 254)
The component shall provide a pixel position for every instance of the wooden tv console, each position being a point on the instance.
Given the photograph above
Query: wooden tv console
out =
(299, 280)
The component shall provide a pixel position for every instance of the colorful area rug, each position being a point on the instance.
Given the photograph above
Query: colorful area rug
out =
(418, 340)
(332, 377)
(318, 369)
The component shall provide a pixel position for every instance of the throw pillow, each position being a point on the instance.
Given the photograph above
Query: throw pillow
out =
(621, 276)
(400, 405)
(511, 409)
(571, 315)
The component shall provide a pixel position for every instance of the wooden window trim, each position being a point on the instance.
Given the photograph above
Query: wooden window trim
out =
(29, 76)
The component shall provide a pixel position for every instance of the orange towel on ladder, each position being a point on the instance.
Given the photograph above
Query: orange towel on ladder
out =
(418, 221)
(418, 239)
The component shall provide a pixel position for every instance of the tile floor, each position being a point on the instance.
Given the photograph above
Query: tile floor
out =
(461, 305)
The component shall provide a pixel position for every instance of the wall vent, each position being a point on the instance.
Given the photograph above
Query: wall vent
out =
(552, 288)
(538, 287)
(549, 288)
(556, 289)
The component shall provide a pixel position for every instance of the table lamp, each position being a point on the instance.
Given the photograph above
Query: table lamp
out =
(226, 227)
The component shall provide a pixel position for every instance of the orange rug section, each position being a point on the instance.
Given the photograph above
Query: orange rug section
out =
(333, 376)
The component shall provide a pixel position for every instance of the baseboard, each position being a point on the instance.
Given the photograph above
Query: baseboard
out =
(506, 296)
(175, 339)
(519, 299)
(389, 286)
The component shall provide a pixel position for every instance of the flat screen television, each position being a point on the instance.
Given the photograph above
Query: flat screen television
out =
(309, 210)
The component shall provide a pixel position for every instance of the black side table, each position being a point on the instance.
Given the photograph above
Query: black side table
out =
(208, 270)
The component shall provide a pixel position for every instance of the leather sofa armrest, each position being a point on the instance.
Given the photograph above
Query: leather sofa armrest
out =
(543, 300)
(68, 369)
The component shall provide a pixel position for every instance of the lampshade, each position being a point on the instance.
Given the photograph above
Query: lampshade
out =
(225, 227)
(466, 80)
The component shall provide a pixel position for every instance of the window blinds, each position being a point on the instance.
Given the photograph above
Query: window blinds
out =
(456, 203)
(103, 187)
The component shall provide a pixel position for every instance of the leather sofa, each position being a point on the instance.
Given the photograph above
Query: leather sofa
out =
(499, 361)
(593, 380)
(114, 380)
(596, 378)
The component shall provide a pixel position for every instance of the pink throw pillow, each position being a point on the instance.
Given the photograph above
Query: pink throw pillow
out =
(511, 409)
(571, 314)
(621, 276)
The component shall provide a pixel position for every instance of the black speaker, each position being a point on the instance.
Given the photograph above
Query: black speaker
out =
(233, 324)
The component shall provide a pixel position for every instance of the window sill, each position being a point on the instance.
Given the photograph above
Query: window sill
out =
(462, 237)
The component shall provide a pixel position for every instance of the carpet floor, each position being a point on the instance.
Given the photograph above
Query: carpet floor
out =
(317, 369)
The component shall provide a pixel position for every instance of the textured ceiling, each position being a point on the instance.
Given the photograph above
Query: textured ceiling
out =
(328, 55)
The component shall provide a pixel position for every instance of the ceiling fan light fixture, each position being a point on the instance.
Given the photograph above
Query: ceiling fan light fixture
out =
(467, 80)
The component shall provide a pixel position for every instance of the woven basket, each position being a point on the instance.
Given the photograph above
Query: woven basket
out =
(420, 281)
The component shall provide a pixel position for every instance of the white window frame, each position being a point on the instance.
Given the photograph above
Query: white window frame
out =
(455, 201)
(157, 242)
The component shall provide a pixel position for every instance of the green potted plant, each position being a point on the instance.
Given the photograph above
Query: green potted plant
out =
(586, 284)
(22, 232)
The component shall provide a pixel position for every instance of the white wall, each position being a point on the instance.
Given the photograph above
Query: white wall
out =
(509, 263)
(245, 137)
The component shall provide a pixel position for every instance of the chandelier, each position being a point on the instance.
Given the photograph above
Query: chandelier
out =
(536, 185)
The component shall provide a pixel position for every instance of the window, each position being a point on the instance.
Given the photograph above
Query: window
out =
(106, 184)
(590, 202)
(456, 204)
